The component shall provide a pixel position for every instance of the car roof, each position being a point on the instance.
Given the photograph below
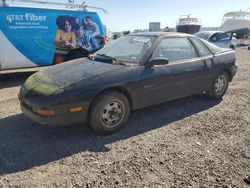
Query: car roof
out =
(210, 32)
(207, 34)
(157, 34)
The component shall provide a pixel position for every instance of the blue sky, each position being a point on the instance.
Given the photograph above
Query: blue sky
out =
(136, 14)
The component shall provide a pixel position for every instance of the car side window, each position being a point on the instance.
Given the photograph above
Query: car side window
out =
(201, 48)
(175, 49)
(213, 38)
(223, 37)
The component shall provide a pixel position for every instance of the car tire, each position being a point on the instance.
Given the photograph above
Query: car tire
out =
(219, 86)
(109, 112)
(232, 47)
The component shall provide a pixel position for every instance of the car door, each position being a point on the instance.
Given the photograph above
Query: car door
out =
(187, 68)
(222, 39)
(181, 77)
(155, 83)
(208, 59)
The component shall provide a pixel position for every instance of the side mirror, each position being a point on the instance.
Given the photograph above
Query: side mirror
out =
(157, 61)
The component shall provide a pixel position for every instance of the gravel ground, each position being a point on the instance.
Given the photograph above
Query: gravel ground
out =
(191, 142)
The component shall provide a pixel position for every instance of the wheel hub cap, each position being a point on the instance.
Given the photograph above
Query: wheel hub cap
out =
(112, 113)
(220, 85)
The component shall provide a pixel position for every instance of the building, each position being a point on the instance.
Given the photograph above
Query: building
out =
(138, 30)
(154, 26)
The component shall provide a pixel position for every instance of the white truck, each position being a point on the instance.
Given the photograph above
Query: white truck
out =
(38, 33)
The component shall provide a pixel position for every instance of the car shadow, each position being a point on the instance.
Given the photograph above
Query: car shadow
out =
(13, 79)
(25, 144)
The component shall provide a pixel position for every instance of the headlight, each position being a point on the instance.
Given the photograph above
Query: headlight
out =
(37, 87)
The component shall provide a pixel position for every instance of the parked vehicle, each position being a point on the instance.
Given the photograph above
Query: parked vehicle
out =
(132, 72)
(219, 38)
(34, 35)
(242, 35)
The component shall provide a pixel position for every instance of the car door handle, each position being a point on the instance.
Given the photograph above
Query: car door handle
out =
(148, 86)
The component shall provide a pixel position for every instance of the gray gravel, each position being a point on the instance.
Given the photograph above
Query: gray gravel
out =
(191, 142)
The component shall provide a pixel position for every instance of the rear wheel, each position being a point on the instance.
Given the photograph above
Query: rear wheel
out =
(109, 112)
(219, 87)
(232, 47)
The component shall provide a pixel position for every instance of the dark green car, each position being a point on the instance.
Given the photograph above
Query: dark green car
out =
(135, 71)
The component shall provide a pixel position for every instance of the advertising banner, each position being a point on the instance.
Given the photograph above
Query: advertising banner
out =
(45, 36)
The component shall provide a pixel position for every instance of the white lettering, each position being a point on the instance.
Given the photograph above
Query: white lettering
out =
(26, 17)
(33, 17)
(19, 17)
(9, 18)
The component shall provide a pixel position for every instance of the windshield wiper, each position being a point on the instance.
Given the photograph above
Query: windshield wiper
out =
(114, 60)
(109, 57)
(91, 57)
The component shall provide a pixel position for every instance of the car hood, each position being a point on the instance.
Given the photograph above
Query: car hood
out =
(71, 72)
(49, 80)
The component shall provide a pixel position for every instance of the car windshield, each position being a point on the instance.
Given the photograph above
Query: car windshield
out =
(203, 35)
(129, 49)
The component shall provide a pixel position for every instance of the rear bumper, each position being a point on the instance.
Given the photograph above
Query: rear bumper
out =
(57, 120)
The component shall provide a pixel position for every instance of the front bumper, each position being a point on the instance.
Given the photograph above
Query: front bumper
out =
(56, 120)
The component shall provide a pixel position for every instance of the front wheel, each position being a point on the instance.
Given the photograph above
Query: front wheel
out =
(219, 87)
(109, 112)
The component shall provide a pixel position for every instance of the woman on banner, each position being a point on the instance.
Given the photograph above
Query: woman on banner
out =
(64, 39)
